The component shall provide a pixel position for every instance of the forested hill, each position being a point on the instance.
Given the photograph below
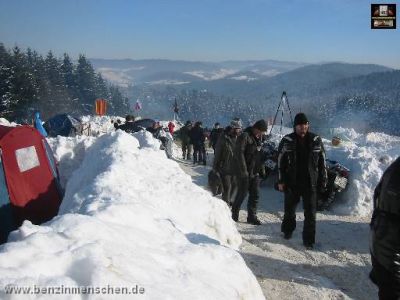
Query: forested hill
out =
(51, 85)
(364, 97)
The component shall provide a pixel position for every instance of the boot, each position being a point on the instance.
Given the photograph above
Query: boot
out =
(287, 235)
(252, 219)
(235, 214)
(308, 245)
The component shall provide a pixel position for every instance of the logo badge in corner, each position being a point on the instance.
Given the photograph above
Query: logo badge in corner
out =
(383, 16)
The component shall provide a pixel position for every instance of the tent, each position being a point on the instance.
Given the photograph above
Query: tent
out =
(64, 125)
(29, 181)
(143, 123)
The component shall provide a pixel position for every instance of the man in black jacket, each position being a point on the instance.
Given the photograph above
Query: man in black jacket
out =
(216, 132)
(197, 138)
(247, 169)
(129, 125)
(184, 136)
(302, 173)
(385, 234)
(223, 158)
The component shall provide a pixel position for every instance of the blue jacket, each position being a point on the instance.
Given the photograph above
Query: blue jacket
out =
(38, 125)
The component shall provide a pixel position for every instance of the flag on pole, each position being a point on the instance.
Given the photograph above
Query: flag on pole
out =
(138, 105)
(176, 108)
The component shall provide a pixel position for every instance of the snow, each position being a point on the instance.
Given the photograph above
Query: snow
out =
(130, 216)
(367, 156)
(337, 268)
(120, 77)
(215, 75)
(5, 122)
(243, 77)
(100, 124)
(167, 82)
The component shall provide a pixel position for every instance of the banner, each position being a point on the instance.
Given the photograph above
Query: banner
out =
(101, 107)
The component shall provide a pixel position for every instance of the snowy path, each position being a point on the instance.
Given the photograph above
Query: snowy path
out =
(337, 268)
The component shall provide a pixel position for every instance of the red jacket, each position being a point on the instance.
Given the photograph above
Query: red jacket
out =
(171, 127)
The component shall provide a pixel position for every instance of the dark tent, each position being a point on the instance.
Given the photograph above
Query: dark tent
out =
(144, 123)
(64, 125)
(29, 183)
(137, 125)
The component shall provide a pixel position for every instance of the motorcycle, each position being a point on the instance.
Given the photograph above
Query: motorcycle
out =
(269, 157)
(338, 177)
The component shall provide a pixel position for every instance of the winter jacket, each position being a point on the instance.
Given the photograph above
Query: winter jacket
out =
(214, 136)
(223, 157)
(183, 135)
(39, 125)
(288, 163)
(197, 136)
(171, 127)
(247, 156)
(129, 127)
(385, 223)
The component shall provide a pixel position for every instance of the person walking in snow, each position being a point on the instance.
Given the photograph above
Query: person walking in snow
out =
(198, 138)
(223, 158)
(216, 132)
(247, 170)
(302, 174)
(385, 234)
(171, 128)
(164, 136)
(38, 124)
(184, 135)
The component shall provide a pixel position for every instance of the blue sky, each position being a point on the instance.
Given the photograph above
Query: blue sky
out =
(207, 30)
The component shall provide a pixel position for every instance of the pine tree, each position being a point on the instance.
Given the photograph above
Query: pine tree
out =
(86, 84)
(5, 83)
(22, 84)
(118, 104)
(28, 83)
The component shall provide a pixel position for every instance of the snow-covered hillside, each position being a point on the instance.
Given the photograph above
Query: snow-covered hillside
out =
(130, 217)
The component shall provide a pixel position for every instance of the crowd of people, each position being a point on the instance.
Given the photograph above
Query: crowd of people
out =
(239, 166)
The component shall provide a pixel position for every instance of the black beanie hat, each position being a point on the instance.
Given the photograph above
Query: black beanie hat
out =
(300, 118)
(261, 125)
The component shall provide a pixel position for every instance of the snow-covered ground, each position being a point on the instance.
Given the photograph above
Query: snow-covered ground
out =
(130, 218)
(337, 268)
(339, 265)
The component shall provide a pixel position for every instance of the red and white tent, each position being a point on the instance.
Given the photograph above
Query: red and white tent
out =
(29, 184)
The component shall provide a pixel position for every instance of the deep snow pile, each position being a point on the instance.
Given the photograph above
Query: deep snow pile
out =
(130, 217)
(367, 156)
(100, 124)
